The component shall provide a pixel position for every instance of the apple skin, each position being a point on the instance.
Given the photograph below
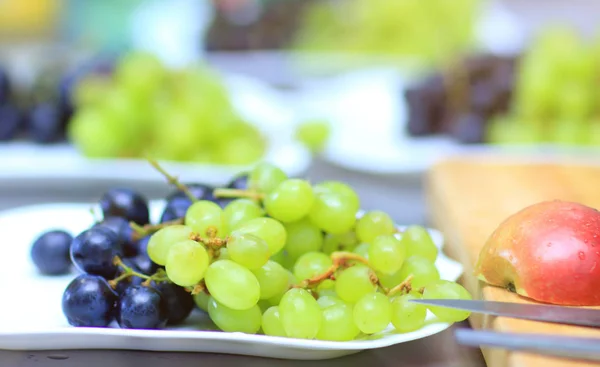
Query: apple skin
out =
(549, 252)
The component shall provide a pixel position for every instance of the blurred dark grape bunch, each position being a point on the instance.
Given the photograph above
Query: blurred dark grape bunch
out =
(254, 24)
(461, 100)
(41, 111)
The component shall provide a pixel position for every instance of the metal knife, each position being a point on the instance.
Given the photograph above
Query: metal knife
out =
(537, 312)
(556, 346)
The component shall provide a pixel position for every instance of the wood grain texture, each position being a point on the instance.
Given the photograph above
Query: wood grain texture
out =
(467, 200)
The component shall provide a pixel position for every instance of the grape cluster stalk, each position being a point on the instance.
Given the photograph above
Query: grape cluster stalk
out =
(268, 254)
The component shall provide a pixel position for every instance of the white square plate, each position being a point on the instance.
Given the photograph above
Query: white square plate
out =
(31, 317)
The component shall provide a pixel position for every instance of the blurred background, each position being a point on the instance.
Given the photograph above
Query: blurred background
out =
(369, 91)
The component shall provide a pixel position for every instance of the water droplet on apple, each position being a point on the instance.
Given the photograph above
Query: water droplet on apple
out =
(549, 244)
(581, 255)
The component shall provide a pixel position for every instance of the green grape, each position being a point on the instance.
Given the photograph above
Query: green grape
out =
(512, 131)
(386, 254)
(313, 134)
(239, 212)
(203, 215)
(302, 237)
(417, 241)
(264, 305)
(91, 90)
(291, 281)
(339, 242)
(283, 259)
(140, 72)
(594, 133)
(569, 133)
(362, 250)
(181, 128)
(311, 264)
(223, 254)
(232, 285)
(201, 301)
(273, 279)
(408, 316)
(96, 134)
(248, 250)
(326, 285)
(268, 229)
(423, 271)
(444, 289)
(338, 323)
(162, 240)
(271, 322)
(290, 201)
(121, 106)
(187, 262)
(333, 211)
(328, 300)
(372, 313)
(374, 224)
(265, 177)
(300, 314)
(232, 320)
(353, 283)
(348, 193)
(576, 102)
(240, 150)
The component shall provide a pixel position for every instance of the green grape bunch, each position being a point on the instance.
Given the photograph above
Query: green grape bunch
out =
(289, 258)
(178, 115)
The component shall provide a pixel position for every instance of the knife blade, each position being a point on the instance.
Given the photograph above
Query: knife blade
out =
(536, 312)
(556, 346)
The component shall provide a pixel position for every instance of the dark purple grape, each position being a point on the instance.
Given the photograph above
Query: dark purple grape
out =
(10, 121)
(45, 123)
(4, 87)
(483, 98)
(142, 261)
(50, 252)
(469, 129)
(199, 191)
(89, 301)
(180, 302)
(142, 307)
(128, 282)
(94, 250)
(125, 203)
(178, 202)
(121, 227)
(175, 209)
(240, 182)
(420, 114)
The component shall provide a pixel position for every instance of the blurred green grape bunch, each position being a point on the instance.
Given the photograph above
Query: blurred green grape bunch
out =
(556, 97)
(144, 108)
(430, 31)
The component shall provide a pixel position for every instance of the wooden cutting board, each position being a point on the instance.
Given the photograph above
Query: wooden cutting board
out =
(467, 200)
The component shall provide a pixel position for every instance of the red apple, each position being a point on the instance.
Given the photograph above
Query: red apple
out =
(549, 252)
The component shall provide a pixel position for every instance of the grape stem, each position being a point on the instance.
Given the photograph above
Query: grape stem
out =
(210, 242)
(404, 286)
(113, 283)
(148, 229)
(198, 288)
(159, 276)
(236, 193)
(340, 259)
(172, 180)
